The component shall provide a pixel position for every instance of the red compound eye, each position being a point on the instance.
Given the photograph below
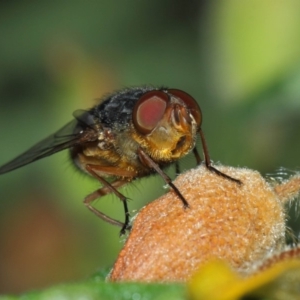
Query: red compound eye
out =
(190, 103)
(149, 110)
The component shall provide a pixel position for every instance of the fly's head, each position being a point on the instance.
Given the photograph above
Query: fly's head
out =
(166, 123)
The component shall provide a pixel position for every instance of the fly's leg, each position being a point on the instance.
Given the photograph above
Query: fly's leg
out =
(208, 161)
(97, 194)
(107, 188)
(177, 168)
(101, 215)
(197, 156)
(148, 161)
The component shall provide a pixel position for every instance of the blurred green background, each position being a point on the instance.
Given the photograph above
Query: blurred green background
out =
(239, 59)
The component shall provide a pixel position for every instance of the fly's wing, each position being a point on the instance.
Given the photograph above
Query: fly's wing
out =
(68, 136)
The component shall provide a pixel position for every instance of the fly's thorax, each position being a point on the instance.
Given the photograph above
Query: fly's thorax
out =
(116, 150)
(92, 154)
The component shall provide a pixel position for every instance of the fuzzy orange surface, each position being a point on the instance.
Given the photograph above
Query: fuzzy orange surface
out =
(241, 224)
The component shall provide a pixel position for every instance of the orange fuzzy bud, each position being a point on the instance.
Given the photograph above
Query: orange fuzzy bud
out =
(241, 224)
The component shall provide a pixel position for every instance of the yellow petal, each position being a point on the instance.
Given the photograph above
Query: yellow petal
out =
(217, 281)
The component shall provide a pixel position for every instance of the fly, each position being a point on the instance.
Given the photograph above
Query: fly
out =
(130, 134)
